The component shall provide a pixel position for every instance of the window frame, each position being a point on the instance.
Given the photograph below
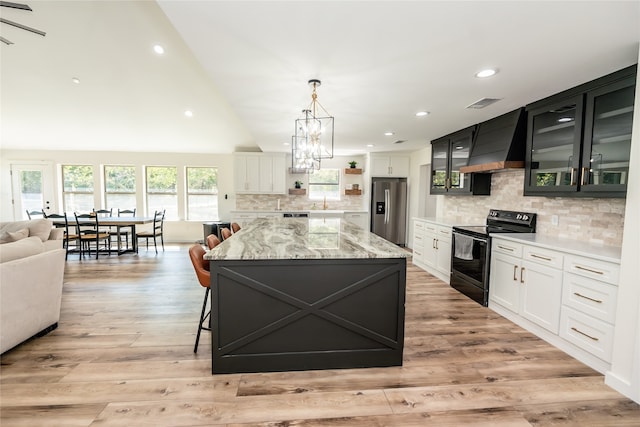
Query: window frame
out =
(65, 192)
(189, 193)
(338, 185)
(107, 192)
(174, 193)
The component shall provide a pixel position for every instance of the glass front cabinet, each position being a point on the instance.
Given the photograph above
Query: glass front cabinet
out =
(448, 155)
(578, 142)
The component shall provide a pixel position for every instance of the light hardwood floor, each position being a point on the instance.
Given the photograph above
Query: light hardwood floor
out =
(123, 356)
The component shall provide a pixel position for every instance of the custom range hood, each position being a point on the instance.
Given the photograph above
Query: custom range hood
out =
(499, 143)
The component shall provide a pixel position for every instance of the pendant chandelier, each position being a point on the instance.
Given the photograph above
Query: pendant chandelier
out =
(313, 139)
(302, 158)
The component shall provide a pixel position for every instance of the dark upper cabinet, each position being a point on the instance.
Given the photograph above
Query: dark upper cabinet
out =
(578, 142)
(450, 153)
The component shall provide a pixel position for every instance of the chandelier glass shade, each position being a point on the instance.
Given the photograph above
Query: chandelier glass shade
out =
(301, 157)
(313, 139)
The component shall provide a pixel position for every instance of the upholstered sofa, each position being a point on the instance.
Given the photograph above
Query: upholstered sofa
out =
(31, 275)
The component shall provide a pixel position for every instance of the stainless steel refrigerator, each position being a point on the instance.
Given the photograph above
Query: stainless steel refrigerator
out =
(389, 209)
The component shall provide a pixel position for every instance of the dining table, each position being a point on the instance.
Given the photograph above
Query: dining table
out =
(118, 222)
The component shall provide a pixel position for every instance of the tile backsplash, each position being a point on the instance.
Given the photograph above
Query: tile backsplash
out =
(251, 202)
(590, 220)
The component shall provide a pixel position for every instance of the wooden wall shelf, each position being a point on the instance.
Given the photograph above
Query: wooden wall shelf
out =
(298, 191)
(357, 192)
(353, 171)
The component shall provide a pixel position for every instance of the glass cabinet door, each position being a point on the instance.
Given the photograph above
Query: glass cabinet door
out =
(439, 165)
(553, 148)
(460, 149)
(607, 139)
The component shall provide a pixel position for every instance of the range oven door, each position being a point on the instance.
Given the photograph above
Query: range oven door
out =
(470, 266)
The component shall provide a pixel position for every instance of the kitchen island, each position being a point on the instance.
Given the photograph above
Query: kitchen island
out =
(306, 293)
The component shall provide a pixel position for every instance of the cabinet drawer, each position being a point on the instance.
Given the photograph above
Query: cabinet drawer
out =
(245, 216)
(507, 248)
(543, 256)
(418, 225)
(592, 335)
(444, 234)
(592, 297)
(418, 239)
(418, 253)
(431, 228)
(600, 270)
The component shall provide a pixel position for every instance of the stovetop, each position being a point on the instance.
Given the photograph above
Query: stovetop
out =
(502, 222)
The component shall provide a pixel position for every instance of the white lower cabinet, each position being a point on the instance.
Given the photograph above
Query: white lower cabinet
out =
(359, 218)
(432, 248)
(589, 301)
(531, 289)
(566, 299)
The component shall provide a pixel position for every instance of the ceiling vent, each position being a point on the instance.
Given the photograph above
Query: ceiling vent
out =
(481, 103)
(400, 141)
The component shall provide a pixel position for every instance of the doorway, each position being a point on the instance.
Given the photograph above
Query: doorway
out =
(32, 189)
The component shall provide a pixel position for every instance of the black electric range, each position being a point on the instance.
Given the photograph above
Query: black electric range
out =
(471, 247)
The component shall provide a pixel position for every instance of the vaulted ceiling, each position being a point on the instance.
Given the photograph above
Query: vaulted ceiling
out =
(242, 68)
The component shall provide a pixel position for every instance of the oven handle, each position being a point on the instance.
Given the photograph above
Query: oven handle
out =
(471, 237)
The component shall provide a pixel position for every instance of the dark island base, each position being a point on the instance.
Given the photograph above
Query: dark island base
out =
(287, 315)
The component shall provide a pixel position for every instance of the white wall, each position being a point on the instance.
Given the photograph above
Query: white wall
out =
(625, 370)
(175, 231)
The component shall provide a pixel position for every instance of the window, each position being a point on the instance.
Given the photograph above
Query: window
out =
(77, 188)
(162, 191)
(120, 187)
(202, 193)
(324, 183)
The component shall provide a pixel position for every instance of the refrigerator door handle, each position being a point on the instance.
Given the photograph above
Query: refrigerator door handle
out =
(386, 206)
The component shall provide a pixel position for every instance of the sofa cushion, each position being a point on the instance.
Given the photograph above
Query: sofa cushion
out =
(13, 236)
(37, 227)
(21, 249)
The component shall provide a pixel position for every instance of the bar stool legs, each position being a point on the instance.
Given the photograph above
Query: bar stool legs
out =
(203, 318)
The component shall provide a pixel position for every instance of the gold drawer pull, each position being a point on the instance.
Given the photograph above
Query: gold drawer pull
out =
(586, 297)
(586, 335)
(589, 270)
(505, 248)
(541, 257)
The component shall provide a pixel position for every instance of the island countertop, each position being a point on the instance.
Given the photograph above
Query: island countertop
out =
(304, 238)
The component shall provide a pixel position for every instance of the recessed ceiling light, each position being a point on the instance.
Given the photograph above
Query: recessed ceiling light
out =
(158, 49)
(188, 113)
(370, 145)
(286, 143)
(564, 119)
(486, 73)
(422, 113)
(76, 80)
(388, 133)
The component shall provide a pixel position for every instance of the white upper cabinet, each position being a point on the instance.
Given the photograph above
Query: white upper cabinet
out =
(389, 165)
(260, 173)
(246, 173)
(273, 174)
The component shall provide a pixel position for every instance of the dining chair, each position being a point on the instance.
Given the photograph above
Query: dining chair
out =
(225, 233)
(155, 232)
(212, 241)
(103, 213)
(235, 227)
(35, 214)
(89, 231)
(69, 240)
(125, 234)
(201, 267)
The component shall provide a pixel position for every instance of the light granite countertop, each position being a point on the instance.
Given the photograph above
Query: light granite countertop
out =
(448, 222)
(575, 247)
(304, 238)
